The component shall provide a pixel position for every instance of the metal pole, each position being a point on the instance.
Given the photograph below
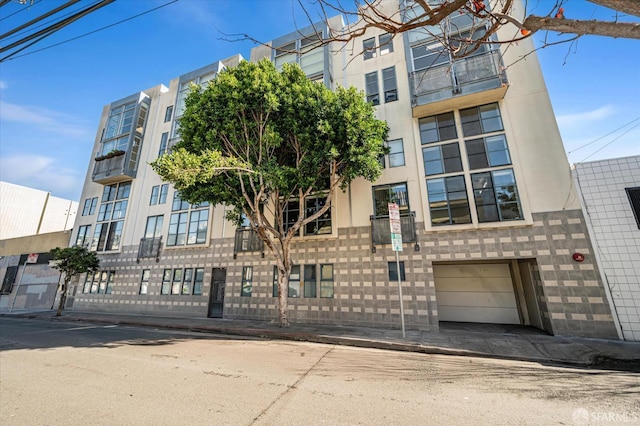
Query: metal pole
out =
(24, 266)
(400, 292)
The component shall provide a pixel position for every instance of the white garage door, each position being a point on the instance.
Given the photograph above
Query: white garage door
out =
(475, 293)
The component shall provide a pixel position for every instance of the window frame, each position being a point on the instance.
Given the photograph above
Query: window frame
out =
(393, 273)
(168, 114)
(633, 193)
(372, 88)
(390, 84)
(246, 281)
(404, 208)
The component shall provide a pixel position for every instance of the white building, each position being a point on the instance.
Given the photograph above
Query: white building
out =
(610, 190)
(490, 216)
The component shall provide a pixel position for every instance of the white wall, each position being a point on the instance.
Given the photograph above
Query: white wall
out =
(615, 232)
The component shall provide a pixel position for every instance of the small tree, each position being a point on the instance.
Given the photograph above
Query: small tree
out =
(72, 261)
(257, 139)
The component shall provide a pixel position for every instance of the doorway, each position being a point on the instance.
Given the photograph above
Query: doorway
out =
(216, 295)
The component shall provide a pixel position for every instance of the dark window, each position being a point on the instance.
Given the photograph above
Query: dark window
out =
(437, 128)
(154, 226)
(372, 89)
(369, 48)
(442, 159)
(448, 203)
(488, 152)
(163, 144)
(9, 280)
(310, 281)
(393, 272)
(326, 281)
(482, 119)
(385, 194)
(168, 113)
(634, 200)
(389, 84)
(386, 44)
(321, 225)
(108, 231)
(496, 196)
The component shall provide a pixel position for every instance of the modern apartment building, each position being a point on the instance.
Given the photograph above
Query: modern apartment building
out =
(492, 226)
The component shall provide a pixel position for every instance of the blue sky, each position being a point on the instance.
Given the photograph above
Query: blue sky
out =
(51, 101)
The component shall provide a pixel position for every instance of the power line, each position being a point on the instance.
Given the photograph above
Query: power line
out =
(602, 137)
(595, 152)
(89, 33)
(20, 10)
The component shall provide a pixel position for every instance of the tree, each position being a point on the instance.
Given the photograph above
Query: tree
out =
(72, 261)
(437, 20)
(258, 140)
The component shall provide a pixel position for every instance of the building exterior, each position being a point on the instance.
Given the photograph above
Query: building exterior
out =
(610, 191)
(27, 211)
(490, 215)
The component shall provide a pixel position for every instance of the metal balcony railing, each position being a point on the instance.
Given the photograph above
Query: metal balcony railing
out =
(247, 240)
(381, 230)
(462, 77)
(149, 248)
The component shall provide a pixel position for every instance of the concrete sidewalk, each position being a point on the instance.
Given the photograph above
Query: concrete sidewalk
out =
(479, 340)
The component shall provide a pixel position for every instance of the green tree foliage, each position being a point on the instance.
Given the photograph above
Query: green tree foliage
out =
(72, 261)
(257, 139)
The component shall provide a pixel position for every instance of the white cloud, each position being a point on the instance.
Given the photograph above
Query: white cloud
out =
(48, 120)
(44, 173)
(3, 85)
(580, 119)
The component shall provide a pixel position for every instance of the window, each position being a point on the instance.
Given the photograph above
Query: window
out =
(299, 286)
(159, 194)
(389, 84)
(393, 272)
(396, 153)
(163, 144)
(371, 88)
(154, 226)
(496, 196)
(448, 201)
(442, 159)
(119, 125)
(176, 281)
(99, 282)
(307, 52)
(326, 281)
(90, 205)
(168, 113)
(166, 281)
(322, 224)
(437, 128)
(189, 224)
(482, 119)
(428, 56)
(198, 280)
(634, 200)
(369, 48)
(144, 281)
(108, 231)
(385, 194)
(84, 236)
(246, 287)
(488, 152)
(386, 44)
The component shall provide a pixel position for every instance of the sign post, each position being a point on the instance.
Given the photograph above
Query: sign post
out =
(396, 243)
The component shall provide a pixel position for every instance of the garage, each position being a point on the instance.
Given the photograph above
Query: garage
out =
(476, 293)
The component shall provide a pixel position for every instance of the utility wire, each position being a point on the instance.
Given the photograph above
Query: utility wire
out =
(601, 137)
(595, 152)
(89, 33)
(20, 10)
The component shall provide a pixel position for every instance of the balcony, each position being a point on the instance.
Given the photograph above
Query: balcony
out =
(247, 240)
(381, 230)
(108, 169)
(149, 248)
(467, 82)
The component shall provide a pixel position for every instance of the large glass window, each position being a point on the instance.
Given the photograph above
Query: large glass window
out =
(319, 226)
(448, 201)
(496, 196)
(84, 236)
(154, 226)
(188, 224)
(326, 281)
(99, 282)
(108, 231)
(488, 152)
(303, 281)
(437, 128)
(306, 51)
(482, 119)
(89, 207)
(159, 194)
(396, 153)
(385, 194)
(442, 159)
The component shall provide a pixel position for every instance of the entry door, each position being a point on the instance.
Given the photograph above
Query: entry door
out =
(216, 295)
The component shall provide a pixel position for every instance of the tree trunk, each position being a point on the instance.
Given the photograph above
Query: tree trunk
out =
(63, 296)
(283, 293)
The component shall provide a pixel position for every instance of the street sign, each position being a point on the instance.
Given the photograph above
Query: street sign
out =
(396, 228)
(32, 258)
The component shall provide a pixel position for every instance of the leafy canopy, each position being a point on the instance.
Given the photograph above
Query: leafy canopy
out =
(256, 134)
(74, 260)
